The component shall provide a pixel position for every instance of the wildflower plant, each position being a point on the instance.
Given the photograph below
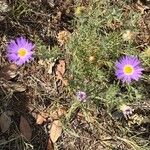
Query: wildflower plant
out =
(20, 51)
(94, 49)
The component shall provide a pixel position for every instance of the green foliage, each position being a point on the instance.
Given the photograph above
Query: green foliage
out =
(45, 52)
(99, 35)
(21, 8)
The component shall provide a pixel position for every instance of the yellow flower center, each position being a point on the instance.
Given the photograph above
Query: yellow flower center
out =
(128, 69)
(22, 52)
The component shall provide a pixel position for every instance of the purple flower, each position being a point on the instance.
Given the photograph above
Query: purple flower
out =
(81, 96)
(128, 68)
(20, 51)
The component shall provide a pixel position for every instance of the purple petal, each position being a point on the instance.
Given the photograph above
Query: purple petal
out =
(12, 57)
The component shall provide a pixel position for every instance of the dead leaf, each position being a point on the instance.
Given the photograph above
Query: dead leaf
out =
(9, 71)
(80, 116)
(40, 119)
(59, 77)
(41, 62)
(50, 69)
(65, 82)
(5, 122)
(56, 130)
(50, 145)
(60, 70)
(18, 87)
(61, 67)
(25, 128)
(56, 114)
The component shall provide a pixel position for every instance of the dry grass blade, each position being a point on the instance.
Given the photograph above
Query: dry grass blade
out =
(56, 130)
(5, 122)
(25, 128)
(131, 143)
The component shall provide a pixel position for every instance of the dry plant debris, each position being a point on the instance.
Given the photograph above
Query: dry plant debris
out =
(8, 71)
(25, 128)
(60, 71)
(50, 145)
(40, 119)
(58, 113)
(56, 130)
(63, 37)
(5, 121)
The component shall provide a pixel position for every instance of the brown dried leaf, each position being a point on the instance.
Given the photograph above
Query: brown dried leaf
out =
(18, 87)
(56, 114)
(25, 128)
(9, 71)
(61, 67)
(60, 70)
(5, 122)
(40, 119)
(56, 130)
(50, 145)
(65, 82)
(50, 67)
(59, 77)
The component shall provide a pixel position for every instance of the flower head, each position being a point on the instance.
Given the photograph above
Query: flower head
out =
(63, 37)
(19, 51)
(128, 68)
(127, 35)
(126, 110)
(79, 10)
(81, 96)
